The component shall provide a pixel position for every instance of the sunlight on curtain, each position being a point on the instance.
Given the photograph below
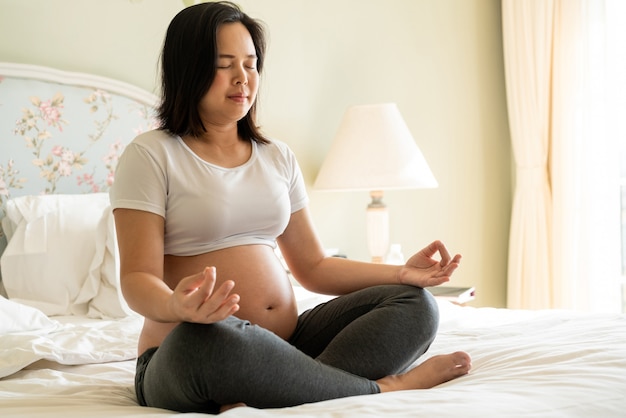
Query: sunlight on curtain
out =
(560, 77)
(527, 36)
(584, 162)
(616, 24)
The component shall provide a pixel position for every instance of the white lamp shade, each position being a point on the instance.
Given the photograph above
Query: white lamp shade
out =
(374, 150)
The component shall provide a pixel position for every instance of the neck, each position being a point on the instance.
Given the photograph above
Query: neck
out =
(219, 134)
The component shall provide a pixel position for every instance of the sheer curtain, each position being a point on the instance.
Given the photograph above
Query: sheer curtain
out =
(527, 35)
(565, 239)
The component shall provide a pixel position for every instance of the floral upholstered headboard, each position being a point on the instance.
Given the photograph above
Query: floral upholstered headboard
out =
(62, 132)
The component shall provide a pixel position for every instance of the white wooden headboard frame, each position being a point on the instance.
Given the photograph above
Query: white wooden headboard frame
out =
(48, 74)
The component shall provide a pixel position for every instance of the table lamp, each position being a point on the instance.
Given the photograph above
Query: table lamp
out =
(374, 150)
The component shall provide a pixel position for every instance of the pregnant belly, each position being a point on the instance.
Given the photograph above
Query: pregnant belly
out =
(266, 294)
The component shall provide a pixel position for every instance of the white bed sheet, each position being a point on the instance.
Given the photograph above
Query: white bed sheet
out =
(530, 364)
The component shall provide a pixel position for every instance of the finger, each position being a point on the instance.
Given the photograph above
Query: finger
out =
(191, 283)
(197, 290)
(224, 290)
(219, 298)
(210, 277)
(451, 267)
(445, 255)
(431, 249)
(228, 307)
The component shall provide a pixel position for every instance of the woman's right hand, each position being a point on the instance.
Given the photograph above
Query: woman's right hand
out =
(194, 300)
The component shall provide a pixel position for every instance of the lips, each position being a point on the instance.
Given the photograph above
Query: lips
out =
(239, 97)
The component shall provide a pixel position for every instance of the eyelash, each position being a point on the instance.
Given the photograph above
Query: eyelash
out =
(250, 67)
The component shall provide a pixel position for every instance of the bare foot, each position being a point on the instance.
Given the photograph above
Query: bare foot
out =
(225, 408)
(430, 373)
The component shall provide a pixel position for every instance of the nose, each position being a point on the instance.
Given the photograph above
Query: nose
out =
(241, 78)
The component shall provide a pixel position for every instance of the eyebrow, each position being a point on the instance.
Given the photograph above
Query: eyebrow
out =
(233, 57)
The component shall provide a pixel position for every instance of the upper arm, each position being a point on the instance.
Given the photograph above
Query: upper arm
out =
(305, 256)
(300, 246)
(140, 237)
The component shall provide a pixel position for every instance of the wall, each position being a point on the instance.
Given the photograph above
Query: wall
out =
(439, 60)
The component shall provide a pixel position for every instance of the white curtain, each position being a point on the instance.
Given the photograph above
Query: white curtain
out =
(527, 34)
(565, 239)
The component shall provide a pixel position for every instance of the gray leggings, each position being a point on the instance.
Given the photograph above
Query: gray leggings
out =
(338, 349)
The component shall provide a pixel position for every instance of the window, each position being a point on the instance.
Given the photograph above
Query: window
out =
(622, 140)
(616, 16)
(623, 200)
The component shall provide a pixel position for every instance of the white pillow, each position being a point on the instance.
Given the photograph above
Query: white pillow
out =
(50, 260)
(109, 302)
(15, 317)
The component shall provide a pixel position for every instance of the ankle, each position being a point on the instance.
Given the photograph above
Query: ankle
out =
(389, 384)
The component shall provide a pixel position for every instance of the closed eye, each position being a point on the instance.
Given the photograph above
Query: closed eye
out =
(226, 67)
(225, 61)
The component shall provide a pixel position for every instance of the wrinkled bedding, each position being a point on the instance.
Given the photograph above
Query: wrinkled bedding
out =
(525, 363)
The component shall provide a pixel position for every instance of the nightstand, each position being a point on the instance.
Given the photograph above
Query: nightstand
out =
(455, 294)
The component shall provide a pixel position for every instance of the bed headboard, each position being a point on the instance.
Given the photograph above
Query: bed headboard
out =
(62, 132)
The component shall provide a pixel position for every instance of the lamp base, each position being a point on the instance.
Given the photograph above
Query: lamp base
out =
(377, 218)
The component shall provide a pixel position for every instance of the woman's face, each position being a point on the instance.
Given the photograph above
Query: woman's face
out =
(236, 82)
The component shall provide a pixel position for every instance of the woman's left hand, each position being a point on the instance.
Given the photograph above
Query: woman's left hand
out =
(422, 270)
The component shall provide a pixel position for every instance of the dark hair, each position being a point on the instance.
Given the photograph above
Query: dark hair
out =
(188, 66)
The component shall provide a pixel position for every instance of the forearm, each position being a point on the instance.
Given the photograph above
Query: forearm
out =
(304, 254)
(339, 276)
(148, 295)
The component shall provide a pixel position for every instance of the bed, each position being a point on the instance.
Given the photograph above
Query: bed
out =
(68, 340)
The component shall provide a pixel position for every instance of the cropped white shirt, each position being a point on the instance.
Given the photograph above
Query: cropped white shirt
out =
(207, 207)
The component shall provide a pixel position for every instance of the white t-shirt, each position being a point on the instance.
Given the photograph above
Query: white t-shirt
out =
(207, 207)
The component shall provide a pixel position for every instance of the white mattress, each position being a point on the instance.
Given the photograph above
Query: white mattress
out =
(530, 364)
